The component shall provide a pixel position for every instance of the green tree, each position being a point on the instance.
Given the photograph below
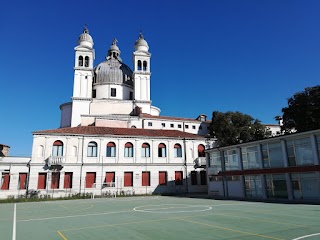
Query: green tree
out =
(303, 111)
(235, 127)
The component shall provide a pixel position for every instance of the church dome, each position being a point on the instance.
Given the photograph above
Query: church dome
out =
(113, 70)
(141, 44)
(85, 39)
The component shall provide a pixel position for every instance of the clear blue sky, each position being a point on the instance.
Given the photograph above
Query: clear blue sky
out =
(247, 56)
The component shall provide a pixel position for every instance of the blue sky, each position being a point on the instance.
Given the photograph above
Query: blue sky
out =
(247, 56)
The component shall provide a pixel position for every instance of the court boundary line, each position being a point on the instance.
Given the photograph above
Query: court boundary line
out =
(154, 210)
(306, 236)
(61, 235)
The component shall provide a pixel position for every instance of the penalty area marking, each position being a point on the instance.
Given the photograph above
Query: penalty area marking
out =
(174, 208)
(306, 236)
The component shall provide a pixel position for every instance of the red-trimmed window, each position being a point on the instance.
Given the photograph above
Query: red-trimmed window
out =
(90, 179)
(42, 180)
(128, 179)
(110, 179)
(5, 181)
(162, 150)
(163, 178)
(55, 180)
(178, 178)
(57, 148)
(145, 150)
(177, 150)
(201, 150)
(68, 180)
(23, 180)
(128, 149)
(145, 178)
(111, 149)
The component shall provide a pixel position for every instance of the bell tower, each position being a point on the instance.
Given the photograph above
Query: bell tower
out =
(141, 73)
(83, 66)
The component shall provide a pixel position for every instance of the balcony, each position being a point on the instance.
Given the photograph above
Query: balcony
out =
(200, 162)
(56, 161)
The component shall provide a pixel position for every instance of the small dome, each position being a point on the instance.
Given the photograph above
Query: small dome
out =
(141, 44)
(85, 39)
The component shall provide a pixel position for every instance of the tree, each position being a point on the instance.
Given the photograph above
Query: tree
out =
(235, 127)
(303, 111)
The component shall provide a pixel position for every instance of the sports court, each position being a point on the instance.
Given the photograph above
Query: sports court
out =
(158, 217)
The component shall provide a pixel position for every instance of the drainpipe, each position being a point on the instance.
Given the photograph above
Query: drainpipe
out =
(185, 163)
(81, 165)
(28, 177)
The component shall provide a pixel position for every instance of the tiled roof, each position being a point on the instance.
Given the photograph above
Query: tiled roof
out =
(144, 115)
(92, 130)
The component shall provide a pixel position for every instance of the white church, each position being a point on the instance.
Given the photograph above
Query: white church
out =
(111, 139)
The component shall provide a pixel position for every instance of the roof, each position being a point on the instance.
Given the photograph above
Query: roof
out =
(4, 145)
(93, 130)
(144, 115)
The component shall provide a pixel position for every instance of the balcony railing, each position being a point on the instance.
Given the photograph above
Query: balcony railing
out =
(56, 160)
(200, 162)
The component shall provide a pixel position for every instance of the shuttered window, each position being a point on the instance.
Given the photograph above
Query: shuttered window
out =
(68, 180)
(145, 178)
(128, 179)
(194, 180)
(57, 148)
(178, 178)
(5, 181)
(23, 180)
(110, 179)
(203, 178)
(90, 179)
(145, 150)
(162, 178)
(42, 180)
(92, 149)
(55, 179)
(128, 150)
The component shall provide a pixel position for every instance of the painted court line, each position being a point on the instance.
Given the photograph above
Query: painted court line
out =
(306, 236)
(61, 235)
(72, 216)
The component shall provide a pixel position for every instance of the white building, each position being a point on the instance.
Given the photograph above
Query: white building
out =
(111, 138)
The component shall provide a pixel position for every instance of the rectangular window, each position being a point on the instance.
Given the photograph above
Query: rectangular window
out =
(194, 177)
(250, 158)
(193, 127)
(172, 125)
(253, 186)
(55, 179)
(128, 152)
(276, 186)
(110, 179)
(92, 150)
(68, 180)
(305, 186)
(177, 152)
(5, 181)
(113, 92)
(163, 178)
(131, 96)
(90, 179)
(94, 93)
(163, 124)
(272, 155)
(145, 178)
(215, 160)
(178, 178)
(57, 150)
(186, 126)
(161, 152)
(231, 160)
(300, 152)
(42, 180)
(128, 179)
(145, 152)
(203, 177)
(179, 125)
(150, 124)
(22, 180)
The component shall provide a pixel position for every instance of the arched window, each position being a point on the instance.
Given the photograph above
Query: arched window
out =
(128, 150)
(57, 148)
(111, 149)
(86, 61)
(139, 65)
(92, 149)
(41, 151)
(177, 150)
(201, 152)
(80, 61)
(145, 150)
(144, 65)
(162, 150)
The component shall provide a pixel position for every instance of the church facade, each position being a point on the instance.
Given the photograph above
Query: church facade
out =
(111, 139)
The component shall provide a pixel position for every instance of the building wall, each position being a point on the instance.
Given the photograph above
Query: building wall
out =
(285, 167)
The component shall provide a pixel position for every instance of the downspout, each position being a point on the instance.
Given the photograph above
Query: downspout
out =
(81, 165)
(185, 163)
(28, 177)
